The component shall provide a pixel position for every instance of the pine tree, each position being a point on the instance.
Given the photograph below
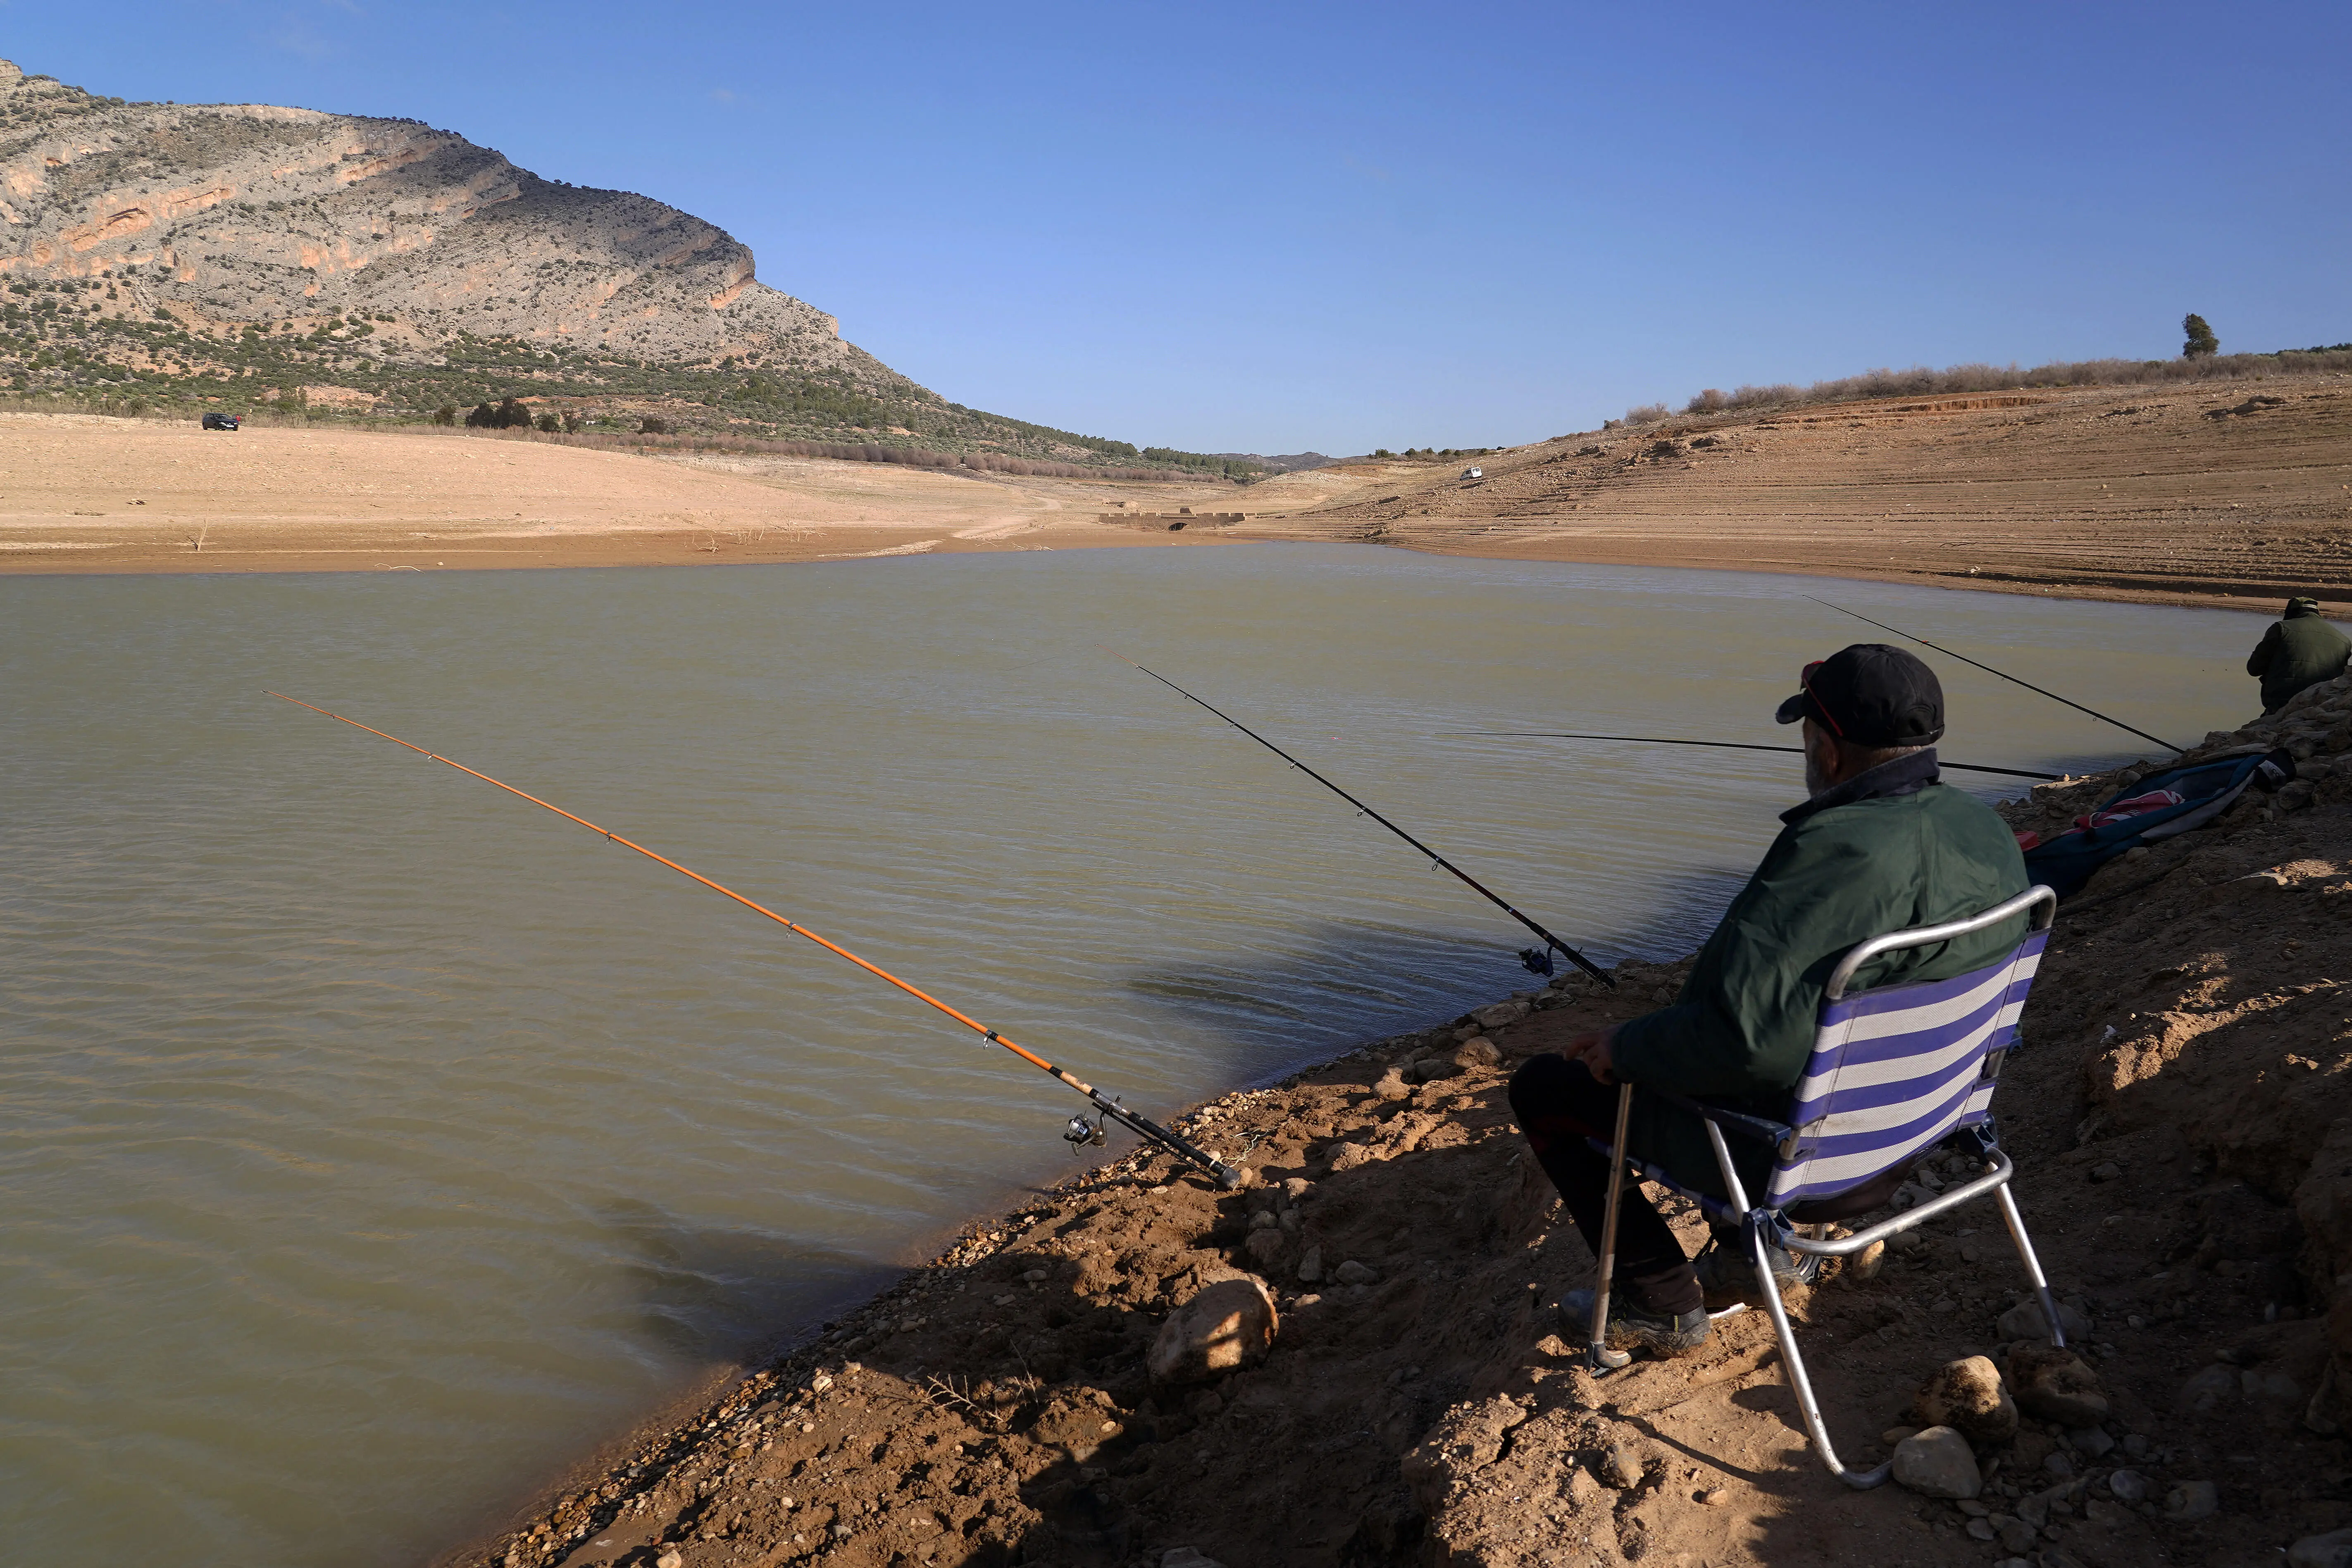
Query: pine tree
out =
(2201, 341)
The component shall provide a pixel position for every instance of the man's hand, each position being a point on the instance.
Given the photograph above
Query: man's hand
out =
(1597, 1051)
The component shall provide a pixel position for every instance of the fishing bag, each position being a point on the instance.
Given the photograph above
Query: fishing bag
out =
(2158, 807)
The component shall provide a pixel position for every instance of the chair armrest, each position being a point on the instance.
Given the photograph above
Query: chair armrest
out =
(1763, 1129)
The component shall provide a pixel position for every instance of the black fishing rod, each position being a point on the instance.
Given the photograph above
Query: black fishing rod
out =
(1729, 745)
(1536, 959)
(1988, 669)
(1081, 1132)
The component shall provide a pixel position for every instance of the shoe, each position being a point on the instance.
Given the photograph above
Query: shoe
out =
(1726, 1268)
(1634, 1328)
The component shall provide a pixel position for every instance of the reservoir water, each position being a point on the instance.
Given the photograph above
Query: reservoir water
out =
(374, 1144)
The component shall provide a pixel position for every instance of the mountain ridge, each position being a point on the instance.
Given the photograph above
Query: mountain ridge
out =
(365, 266)
(247, 213)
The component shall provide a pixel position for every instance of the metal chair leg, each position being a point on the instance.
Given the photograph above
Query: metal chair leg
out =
(1860, 1480)
(1754, 1221)
(2033, 1265)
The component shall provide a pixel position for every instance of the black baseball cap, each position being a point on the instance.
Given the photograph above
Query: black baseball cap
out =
(1871, 694)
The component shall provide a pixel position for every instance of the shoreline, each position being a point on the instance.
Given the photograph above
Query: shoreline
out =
(160, 558)
(2170, 495)
(1006, 1401)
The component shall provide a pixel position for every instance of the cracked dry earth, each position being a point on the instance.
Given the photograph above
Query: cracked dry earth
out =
(2179, 1120)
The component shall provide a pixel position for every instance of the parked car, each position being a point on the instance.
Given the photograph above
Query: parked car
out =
(220, 421)
(1474, 473)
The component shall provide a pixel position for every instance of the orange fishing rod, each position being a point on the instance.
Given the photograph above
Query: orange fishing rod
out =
(1081, 1132)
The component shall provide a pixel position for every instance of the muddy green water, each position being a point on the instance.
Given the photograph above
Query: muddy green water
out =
(373, 1144)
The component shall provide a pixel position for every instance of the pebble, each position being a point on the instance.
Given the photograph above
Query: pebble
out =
(2208, 1387)
(2107, 1170)
(1937, 1462)
(2091, 1442)
(1310, 1268)
(2333, 1550)
(1619, 1468)
(1967, 1396)
(2192, 1501)
(1034, 1277)
(1980, 1530)
(2024, 1322)
(1225, 1326)
(669, 1560)
(2051, 1385)
(2129, 1486)
(2059, 1465)
(1713, 1497)
(2016, 1535)
(1187, 1557)
(1391, 1087)
(1354, 1273)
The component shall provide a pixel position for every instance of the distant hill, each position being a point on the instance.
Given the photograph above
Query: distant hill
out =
(1289, 463)
(245, 253)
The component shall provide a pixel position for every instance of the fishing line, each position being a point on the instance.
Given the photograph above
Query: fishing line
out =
(1537, 960)
(1081, 1132)
(1729, 745)
(1988, 669)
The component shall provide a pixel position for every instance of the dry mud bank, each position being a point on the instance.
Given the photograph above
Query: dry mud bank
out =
(1365, 1364)
(2185, 493)
(2182, 493)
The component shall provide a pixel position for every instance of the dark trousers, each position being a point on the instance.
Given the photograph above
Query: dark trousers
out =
(1559, 1105)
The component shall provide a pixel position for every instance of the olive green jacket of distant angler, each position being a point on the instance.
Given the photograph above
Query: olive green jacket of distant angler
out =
(2302, 650)
(1888, 849)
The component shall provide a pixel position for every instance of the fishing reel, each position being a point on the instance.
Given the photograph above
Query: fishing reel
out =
(1082, 1134)
(1537, 960)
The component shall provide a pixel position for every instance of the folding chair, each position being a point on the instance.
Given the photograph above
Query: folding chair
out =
(1894, 1072)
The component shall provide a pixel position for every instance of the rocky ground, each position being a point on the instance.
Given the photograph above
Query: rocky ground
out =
(1358, 1360)
(2186, 492)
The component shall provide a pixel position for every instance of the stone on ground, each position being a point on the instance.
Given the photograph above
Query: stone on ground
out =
(2051, 1385)
(1187, 1557)
(1937, 1462)
(1228, 1325)
(2025, 1321)
(2333, 1550)
(1968, 1396)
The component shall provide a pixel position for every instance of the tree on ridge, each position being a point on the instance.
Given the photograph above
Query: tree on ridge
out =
(2201, 341)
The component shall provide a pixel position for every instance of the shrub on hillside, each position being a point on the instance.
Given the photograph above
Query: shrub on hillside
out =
(513, 416)
(550, 424)
(446, 415)
(1646, 413)
(482, 417)
(653, 424)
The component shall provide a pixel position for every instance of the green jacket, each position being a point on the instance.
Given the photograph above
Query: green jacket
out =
(2301, 650)
(1885, 850)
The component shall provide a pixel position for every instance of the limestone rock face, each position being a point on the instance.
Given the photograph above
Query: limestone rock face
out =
(253, 212)
(1228, 1325)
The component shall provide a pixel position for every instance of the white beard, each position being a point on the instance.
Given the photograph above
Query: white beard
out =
(1815, 781)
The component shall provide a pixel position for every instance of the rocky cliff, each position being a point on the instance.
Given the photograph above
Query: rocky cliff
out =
(247, 213)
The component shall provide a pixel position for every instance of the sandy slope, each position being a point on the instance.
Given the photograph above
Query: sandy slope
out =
(81, 493)
(2184, 493)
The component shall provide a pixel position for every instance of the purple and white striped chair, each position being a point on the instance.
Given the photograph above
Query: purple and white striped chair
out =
(1894, 1071)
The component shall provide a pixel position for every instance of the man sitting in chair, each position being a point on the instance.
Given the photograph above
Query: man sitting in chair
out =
(1879, 846)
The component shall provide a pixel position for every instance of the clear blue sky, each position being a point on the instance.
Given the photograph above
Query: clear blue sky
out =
(1274, 227)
